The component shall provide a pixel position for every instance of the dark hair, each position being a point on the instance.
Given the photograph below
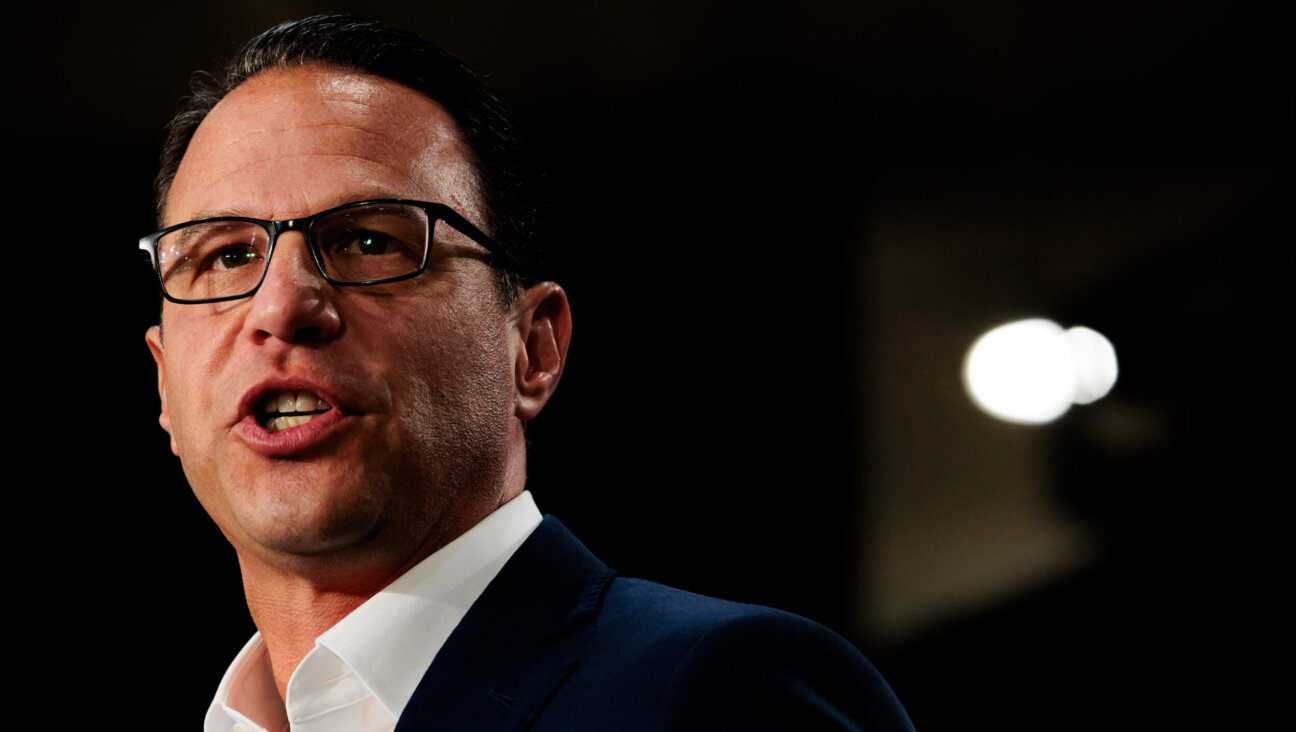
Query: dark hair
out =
(362, 45)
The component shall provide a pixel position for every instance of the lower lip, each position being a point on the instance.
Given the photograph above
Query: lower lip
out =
(290, 441)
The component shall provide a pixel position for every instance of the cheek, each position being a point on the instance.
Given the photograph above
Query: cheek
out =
(195, 354)
(456, 373)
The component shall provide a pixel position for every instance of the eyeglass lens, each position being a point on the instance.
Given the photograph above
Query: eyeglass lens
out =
(226, 258)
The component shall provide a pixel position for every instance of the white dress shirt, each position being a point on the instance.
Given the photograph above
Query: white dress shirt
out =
(363, 671)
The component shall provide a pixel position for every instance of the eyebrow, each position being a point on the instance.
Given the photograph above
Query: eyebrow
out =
(342, 200)
(221, 213)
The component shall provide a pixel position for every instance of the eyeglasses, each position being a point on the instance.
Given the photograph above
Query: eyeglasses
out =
(364, 243)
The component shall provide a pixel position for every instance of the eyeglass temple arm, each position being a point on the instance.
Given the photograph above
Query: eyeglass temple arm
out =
(503, 257)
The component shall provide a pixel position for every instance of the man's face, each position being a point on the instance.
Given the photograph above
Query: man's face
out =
(418, 374)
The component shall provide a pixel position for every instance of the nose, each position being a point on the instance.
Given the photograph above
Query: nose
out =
(294, 303)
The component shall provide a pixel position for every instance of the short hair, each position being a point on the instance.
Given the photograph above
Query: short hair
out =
(353, 43)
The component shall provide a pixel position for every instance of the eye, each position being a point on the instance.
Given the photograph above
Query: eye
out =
(363, 242)
(234, 257)
(370, 242)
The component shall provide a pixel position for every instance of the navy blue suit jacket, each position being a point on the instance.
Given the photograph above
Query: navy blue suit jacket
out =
(559, 642)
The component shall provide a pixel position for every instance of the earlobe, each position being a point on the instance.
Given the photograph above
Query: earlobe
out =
(153, 337)
(543, 322)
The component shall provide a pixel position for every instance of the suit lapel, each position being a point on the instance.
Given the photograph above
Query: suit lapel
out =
(500, 665)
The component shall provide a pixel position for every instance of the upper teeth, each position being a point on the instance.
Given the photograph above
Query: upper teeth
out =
(291, 404)
(293, 401)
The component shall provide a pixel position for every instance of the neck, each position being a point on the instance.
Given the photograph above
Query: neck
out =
(290, 616)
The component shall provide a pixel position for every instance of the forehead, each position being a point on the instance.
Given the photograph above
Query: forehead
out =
(292, 141)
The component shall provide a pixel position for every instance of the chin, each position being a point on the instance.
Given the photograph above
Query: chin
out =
(313, 522)
(315, 541)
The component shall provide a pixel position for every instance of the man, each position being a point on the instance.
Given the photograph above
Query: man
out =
(348, 352)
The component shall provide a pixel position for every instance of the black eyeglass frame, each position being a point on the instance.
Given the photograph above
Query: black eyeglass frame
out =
(435, 212)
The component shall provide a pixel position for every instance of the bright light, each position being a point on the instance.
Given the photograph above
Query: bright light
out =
(1032, 371)
(1095, 364)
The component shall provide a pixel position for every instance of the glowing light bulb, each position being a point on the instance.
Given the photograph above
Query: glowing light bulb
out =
(1095, 364)
(1032, 371)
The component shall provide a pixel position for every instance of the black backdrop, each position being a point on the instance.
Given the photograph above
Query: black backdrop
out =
(713, 169)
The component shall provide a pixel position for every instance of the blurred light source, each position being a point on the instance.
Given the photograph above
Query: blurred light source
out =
(1095, 364)
(1032, 371)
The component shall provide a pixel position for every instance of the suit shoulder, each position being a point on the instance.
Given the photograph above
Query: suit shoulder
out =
(729, 665)
(637, 600)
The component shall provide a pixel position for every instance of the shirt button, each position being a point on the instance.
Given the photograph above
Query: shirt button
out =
(240, 728)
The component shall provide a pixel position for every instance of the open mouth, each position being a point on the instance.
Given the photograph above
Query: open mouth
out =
(281, 410)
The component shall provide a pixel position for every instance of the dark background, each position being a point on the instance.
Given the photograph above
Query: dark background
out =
(779, 227)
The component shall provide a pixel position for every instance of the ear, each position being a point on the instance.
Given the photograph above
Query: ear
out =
(154, 339)
(542, 319)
